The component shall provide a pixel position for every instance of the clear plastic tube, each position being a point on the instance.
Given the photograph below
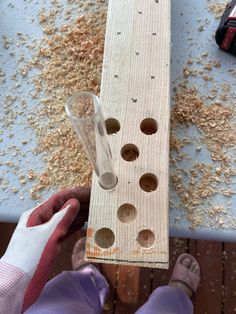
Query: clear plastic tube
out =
(84, 111)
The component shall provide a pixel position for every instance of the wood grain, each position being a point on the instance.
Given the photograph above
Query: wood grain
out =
(133, 288)
(209, 295)
(162, 277)
(135, 86)
(229, 262)
(110, 273)
(7, 230)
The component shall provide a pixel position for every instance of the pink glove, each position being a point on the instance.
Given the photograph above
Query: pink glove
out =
(30, 256)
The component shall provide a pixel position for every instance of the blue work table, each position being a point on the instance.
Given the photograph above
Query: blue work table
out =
(193, 27)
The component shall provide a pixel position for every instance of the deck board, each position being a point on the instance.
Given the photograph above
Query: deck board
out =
(218, 266)
(229, 263)
(133, 288)
(110, 271)
(209, 295)
(177, 247)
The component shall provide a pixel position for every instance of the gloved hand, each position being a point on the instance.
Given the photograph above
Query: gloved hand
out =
(30, 256)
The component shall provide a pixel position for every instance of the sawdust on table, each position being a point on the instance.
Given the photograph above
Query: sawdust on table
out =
(70, 61)
(213, 120)
(217, 8)
(69, 58)
(196, 186)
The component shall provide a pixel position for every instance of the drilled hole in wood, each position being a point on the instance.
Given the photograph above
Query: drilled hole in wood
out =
(127, 213)
(104, 238)
(112, 126)
(130, 152)
(149, 126)
(148, 182)
(108, 180)
(146, 238)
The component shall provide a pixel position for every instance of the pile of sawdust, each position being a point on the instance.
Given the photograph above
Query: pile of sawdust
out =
(213, 121)
(70, 61)
(196, 186)
(217, 8)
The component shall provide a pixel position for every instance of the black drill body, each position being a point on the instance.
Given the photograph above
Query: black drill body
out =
(226, 32)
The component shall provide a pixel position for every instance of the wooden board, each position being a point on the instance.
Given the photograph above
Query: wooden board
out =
(209, 295)
(162, 277)
(133, 288)
(229, 279)
(110, 273)
(135, 93)
(7, 230)
(216, 293)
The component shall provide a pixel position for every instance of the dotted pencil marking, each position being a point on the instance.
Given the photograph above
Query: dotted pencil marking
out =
(154, 34)
(134, 99)
(116, 76)
(137, 53)
(140, 12)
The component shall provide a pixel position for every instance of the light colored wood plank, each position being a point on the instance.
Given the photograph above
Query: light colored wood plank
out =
(135, 86)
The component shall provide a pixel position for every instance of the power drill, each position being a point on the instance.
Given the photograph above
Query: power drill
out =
(226, 33)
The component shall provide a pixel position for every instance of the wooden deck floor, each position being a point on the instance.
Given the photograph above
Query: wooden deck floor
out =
(131, 286)
(217, 292)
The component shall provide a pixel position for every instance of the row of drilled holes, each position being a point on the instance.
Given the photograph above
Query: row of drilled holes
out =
(105, 238)
(148, 182)
(127, 213)
(148, 126)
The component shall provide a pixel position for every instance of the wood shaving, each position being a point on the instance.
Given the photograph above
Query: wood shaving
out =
(217, 9)
(196, 186)
(213, 121)
(70, 61)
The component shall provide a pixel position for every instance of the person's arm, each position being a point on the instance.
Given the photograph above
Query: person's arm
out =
(31, 253)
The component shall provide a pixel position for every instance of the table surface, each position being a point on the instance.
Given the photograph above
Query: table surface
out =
(188, 18)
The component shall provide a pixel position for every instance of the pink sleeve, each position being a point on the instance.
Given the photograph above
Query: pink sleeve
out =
(13, 283)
